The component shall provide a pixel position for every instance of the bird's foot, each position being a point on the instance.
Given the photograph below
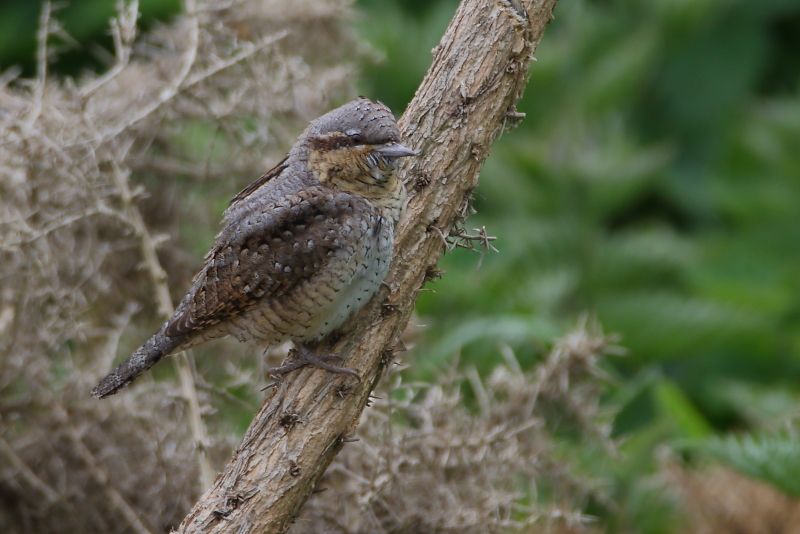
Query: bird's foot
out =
(301, 357)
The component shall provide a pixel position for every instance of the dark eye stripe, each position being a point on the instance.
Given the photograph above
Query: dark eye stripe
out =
(351, 137)
(331, 141)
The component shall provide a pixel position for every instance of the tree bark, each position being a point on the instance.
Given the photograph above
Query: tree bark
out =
(479, 71)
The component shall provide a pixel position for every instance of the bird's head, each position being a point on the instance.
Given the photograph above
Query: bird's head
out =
(355, 148)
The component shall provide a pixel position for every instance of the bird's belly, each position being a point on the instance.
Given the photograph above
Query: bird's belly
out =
(323, 303)
(347, 301)
(370, 271)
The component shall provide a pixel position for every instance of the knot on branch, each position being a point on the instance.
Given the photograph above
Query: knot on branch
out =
(289, 420)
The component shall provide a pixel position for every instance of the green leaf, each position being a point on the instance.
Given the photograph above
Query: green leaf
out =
(686, 420)
(775, 459)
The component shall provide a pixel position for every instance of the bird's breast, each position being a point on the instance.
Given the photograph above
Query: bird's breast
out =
(368, 272)
(319, 305)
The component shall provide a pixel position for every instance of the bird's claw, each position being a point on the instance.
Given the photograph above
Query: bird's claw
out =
(302, 357)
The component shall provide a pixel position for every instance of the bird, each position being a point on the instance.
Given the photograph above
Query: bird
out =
(300, 249)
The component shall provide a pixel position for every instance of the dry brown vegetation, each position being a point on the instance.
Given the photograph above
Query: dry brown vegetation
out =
(106, 202)
(83, 165)
(424, 461)
(718, 499)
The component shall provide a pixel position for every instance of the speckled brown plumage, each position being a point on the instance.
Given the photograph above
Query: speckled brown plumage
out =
(301, 248)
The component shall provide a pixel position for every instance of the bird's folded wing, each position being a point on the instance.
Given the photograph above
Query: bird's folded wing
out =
(268, 252)
(263, 179)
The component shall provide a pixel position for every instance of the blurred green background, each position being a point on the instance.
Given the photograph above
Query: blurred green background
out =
(655, 184)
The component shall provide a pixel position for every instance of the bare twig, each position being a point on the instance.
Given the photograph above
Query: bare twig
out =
(163, 299)
(182, 81)
(27, 473)
(460, 238)
(123, 32)
(73, 225)
(101, 477)
(42, 36)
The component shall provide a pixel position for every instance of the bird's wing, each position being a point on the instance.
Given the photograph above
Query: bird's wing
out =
(268, 252)
(264, 178)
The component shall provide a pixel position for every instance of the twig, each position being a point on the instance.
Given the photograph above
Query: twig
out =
(123, 31)
(189, 57)
(42, 35)
(27, 473)
(163, 300)
(99, 475)
(460, 238)
(181, 82)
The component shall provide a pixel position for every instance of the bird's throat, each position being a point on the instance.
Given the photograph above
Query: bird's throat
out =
(347, 171)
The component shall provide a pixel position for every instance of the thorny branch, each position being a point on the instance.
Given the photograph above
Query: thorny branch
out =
(124, 32)
(452, 470)
(158, 280)
(42, 36)
(76, 159)
(75, 220)
(478, 73)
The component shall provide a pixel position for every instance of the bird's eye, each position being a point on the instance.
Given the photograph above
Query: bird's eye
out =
(354, 135)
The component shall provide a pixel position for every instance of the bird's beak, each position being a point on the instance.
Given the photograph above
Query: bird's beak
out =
(395, 150)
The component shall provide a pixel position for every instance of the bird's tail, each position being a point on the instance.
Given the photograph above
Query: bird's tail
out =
(144, 358)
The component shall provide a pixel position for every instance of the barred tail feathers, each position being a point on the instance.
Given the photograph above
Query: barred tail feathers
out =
(154, 349)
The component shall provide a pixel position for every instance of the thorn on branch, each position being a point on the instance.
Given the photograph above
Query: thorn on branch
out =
(513, 117)
(460, 238)
(432, 228)
(387, 357)
(422, 181)
(432, 273)
(232, 502)
(289, 420)
(388, 308)
(466, 209)
(400, 346)
(517, 10)
(476, 151)
(294, 469)
(271, 385)
(388, 286)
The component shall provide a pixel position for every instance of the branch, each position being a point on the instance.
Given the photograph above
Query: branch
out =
(158, 279)
(42, 35)
(98, 473)
(26, 473)
(479, 71)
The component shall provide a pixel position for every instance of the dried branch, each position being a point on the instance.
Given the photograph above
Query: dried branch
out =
(89, 170)
(450, 469)
(123, 33)
(101, 477)
(479, 72)
(158, 280)
(27, 473)
(42, 36)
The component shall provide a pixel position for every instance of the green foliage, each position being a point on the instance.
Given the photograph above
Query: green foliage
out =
(84, 22)
(772, 458)
(654, 183)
